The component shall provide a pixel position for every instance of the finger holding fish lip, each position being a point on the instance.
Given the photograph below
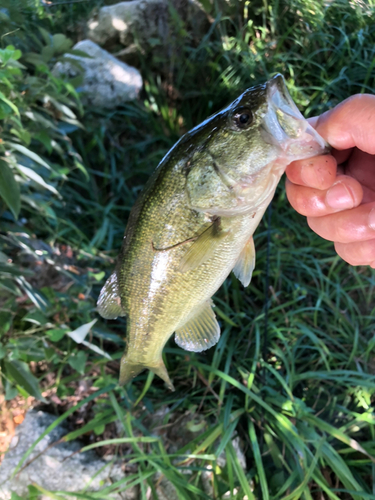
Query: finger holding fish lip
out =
(344, 194)
(318, 172)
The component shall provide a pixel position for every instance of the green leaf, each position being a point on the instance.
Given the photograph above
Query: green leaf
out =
(21, 374)
(56, 334)
(98, 276)
(5, 110)
(16, 497)
(28, 172)
(61, 43)
(10, 391)
(9, 53)
(3, 257)
(34, 58)
(78, 361)
(47, 53)
(45, 139)
(46, 35)
(9, 188)
(22, 134)
(9, 103)
(36, 317)
(30, 154)
(6, 319)
(99, 429)
(14, 270)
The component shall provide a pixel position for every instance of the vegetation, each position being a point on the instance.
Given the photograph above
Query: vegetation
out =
(298, 388)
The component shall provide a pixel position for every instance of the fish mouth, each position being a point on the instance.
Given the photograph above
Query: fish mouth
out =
(285, 126)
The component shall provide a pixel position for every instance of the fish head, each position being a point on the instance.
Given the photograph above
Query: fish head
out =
(250, 143)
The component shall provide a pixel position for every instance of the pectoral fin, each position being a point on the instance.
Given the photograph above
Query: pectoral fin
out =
(245, 264)
(203, 247)
(201, 331)
(109, 301)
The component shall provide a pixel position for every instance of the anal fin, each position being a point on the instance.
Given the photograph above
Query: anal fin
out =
(201, 331)
(109, 301)
(245, 264)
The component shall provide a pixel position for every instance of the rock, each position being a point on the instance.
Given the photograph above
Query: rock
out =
(57, 468)
(236, 443)
(106, 81)
(126, 20)
(144, 21)
(164, 488)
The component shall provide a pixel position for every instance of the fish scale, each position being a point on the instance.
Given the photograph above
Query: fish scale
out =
(194, 221)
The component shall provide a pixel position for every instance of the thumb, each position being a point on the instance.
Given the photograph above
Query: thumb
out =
(350, 124)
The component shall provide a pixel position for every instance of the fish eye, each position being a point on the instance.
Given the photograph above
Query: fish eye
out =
(242, 118)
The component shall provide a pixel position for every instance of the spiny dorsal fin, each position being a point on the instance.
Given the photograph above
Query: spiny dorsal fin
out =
(245, 264)
(203, 247)
(109, 301)
(201, 331)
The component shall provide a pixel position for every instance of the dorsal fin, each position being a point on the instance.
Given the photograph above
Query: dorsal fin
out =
(201, 331)
(109, 301)
(245, 264)
(203, 247)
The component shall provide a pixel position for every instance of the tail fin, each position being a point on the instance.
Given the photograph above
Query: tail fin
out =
(129, 370)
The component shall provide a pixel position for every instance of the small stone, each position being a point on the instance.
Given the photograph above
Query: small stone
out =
(106, 81)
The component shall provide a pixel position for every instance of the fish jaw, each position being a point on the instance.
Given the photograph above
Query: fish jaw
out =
(285, 126)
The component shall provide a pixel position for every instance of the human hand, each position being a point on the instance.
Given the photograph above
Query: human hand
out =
(337, 192)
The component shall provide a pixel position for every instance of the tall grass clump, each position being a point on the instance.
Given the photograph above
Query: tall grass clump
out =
(279, 409)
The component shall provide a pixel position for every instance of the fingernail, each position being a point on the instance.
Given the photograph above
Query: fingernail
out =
(339, 196)
(371, 219)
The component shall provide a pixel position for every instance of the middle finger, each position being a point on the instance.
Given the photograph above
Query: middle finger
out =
(347, 226)
(344, 194)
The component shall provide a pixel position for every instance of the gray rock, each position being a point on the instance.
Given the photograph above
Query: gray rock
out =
(144, 21)
(124, 20)
(236, 442)
(164, 488)
(57, 468)
(106, 81)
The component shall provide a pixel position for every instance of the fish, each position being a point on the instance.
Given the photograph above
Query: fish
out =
(194, 222)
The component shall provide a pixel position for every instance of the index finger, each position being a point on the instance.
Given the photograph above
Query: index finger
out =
(350, 124)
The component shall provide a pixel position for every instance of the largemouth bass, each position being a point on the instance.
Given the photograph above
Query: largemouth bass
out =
(194, 223)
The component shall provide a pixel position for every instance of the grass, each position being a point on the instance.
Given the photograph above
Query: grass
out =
(299, 393)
